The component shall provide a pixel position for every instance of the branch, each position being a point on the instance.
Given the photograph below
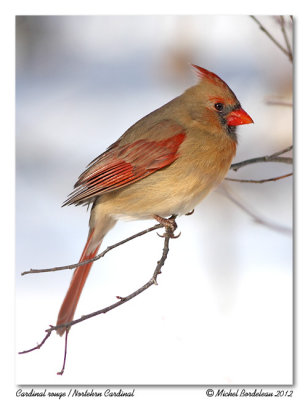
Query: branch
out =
(169, 229)
(278, 228)
(282, 24)
(153, 281)
(102, 254)
(65, 353)
(38, 346)
(271, 37)
(259, 180)
(278, 103)
(272, 158)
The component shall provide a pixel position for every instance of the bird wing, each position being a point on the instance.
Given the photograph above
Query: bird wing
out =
(124, 164)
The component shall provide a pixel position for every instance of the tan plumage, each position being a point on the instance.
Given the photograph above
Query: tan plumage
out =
(164, 164)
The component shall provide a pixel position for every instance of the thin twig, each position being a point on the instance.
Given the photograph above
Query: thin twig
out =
(279, 103)
(271, 225)
(65, 353)
(271, 158)
(39, 345)
(153, 281)
(283, 151)
(282, 24)
(270, 35)
(259, 180)
(102, 254)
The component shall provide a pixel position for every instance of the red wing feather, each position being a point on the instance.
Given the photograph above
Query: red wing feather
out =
(122, 165)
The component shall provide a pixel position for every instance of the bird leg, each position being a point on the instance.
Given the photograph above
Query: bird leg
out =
(169, 224)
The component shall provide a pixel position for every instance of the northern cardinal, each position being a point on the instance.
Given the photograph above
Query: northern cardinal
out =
(163, 165)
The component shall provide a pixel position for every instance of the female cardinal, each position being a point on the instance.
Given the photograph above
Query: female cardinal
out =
(163, 165)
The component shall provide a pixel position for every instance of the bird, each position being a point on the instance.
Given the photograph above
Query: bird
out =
(162, 166)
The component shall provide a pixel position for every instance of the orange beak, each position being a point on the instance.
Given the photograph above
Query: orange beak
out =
(238, 117)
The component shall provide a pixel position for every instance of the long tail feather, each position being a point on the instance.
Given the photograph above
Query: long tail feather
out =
(67, 310)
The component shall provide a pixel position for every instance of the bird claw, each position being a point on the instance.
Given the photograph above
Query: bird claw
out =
(190, 212)
(170, 226)
(176, 236)
(170, 235)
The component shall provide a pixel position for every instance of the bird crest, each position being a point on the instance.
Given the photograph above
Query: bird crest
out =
(204, 74)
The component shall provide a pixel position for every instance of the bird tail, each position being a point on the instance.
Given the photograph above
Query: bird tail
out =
(67, 310)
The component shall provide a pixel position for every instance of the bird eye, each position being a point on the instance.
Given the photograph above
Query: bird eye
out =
(219, 106)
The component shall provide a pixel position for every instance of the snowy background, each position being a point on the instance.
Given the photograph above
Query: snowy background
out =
(222, 312)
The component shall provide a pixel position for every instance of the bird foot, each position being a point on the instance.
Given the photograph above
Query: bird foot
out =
(170, 226)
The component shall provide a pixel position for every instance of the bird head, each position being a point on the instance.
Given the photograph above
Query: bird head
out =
(215, 103)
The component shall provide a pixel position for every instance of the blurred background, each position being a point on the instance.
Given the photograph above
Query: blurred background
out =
(222, 311)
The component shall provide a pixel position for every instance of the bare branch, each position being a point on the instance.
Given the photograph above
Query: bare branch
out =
(283, 151)
(153, 281)
(271, 37)
(169, 229)
(102, 254)
(271, 158)
(65, 353)
(271, 225)
(39, 345)
(282, 24)
(259, 180)
(278, 103)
